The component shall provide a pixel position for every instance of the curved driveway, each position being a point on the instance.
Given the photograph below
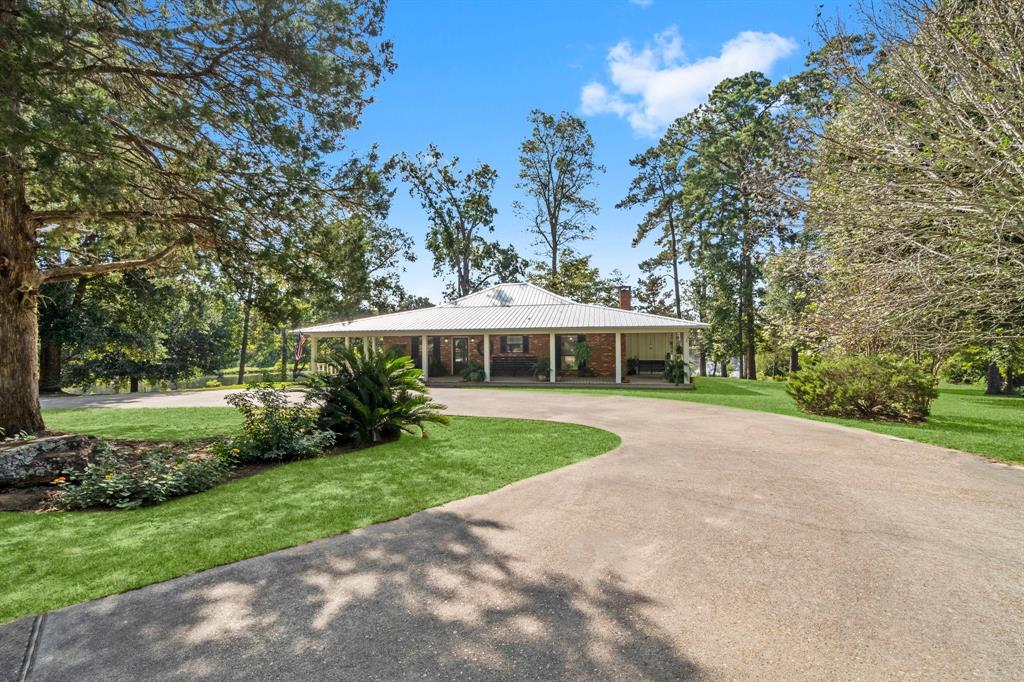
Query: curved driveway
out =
(713, 543)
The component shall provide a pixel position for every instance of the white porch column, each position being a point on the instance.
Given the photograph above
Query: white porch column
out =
(553, 360)
(347, 345)
(686, 355)
(366, 344)
(312, 354)
(487, 357)
(618, 357)
(424, 356)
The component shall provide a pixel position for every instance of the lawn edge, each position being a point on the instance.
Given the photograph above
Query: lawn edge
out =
(828, 421)
(4, 620)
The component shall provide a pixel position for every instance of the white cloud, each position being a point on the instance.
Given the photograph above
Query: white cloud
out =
(656, 85)
(642, 3)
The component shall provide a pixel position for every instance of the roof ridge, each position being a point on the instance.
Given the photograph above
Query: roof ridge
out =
(638, 312)
(531, 285)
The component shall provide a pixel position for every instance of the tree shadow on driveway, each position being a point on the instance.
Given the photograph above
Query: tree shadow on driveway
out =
(427, 597)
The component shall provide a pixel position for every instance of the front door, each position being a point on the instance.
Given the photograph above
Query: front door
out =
(460, 354)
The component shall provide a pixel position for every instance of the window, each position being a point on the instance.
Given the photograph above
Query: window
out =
(514, 344)
(566, 359)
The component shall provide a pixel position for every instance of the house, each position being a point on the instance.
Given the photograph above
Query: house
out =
(507, 328)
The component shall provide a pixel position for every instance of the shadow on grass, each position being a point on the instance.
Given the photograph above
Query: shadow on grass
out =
(959, 424)
(428, 597)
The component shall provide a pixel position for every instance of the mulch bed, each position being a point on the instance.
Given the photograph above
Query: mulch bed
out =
(39, 498)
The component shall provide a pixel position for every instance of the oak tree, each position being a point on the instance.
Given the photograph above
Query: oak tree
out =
(166, 127)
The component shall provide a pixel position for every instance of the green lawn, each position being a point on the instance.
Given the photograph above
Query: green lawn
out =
(962, 418)
(146, 423)
(50, 560)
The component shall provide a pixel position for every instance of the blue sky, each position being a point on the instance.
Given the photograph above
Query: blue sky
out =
(470, 72)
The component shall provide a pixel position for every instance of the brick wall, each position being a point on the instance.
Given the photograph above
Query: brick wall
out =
(602, 362)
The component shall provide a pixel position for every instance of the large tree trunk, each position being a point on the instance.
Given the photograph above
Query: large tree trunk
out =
(794, 359)
(993, 380)
(739, 331)
(244, 352)
(703, 362)
(675, 262)
(19, 324)
(133, 384)
(50, 355)
(750, 365)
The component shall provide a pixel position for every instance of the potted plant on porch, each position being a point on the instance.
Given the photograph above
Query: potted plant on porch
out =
(542, 368)
(582, 352)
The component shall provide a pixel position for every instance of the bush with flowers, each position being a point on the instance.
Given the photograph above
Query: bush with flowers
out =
(113, 481)
(274, 429)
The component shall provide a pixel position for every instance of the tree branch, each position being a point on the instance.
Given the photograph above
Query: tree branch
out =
(72, 217)
(73, 271)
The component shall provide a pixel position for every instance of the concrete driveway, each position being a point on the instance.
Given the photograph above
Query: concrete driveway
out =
(714, 544)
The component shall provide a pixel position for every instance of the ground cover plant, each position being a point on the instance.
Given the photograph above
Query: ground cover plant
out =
(51, 560)
(114, 481)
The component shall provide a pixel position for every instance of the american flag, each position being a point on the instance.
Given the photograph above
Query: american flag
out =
(299, 346)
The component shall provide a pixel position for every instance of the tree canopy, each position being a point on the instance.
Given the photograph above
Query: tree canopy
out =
(165, 127)
(557, 170)
(460, 214)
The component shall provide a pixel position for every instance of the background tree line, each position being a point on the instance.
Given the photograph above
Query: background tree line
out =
(170, 199)
(868, 204)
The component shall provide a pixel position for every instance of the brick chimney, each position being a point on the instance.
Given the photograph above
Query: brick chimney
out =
(626, 298)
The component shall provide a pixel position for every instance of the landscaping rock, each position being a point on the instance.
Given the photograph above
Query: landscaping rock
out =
(41, 460)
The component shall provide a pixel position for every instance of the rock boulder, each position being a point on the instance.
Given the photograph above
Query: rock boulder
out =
(40, 460)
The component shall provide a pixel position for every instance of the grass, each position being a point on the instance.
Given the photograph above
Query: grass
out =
(52, 560)
(962, 418)
(145, 423)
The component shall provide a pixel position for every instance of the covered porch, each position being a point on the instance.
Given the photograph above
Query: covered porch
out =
(526, 357)
(655, 381)
(520, 333)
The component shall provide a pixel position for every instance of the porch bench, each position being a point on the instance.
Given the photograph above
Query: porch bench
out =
(512, 365)
(650, 367)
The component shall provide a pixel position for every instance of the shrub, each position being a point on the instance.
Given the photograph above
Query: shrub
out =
(113, 481)
(373, 397)
(213, 383)
(865, 387)
(474, 371)
(274, 429)
(676, 368)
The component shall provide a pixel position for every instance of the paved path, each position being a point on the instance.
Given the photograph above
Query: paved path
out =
(213, 398)
(713, 544)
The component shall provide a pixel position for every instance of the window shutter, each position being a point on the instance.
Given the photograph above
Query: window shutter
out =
(526, 343)
(581, 337)
(504, 344)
